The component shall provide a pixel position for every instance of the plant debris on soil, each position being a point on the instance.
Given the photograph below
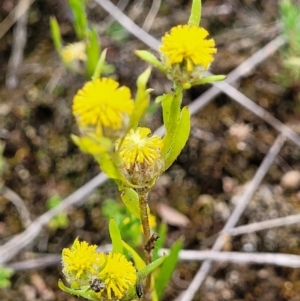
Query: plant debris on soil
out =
(226, 146)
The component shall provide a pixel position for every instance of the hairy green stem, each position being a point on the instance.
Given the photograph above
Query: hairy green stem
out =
(143, 198)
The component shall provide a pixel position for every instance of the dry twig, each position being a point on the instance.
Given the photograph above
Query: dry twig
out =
(19, 204)
(18, 45)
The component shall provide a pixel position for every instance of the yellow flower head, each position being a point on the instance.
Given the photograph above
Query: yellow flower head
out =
(187, 53)
(73, 52)
(141, 155)
(80, 261)
(119, 276)
(137, 147)
(103, 107)
(188, 44)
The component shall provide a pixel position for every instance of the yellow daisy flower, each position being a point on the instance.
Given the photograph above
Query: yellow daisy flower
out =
(74, 51)
(188, 44)
(103, 106)
(80, 261)
(137, 147)
(119, 276)
(141, 156)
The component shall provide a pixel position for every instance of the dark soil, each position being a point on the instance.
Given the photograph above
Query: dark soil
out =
(41, 160)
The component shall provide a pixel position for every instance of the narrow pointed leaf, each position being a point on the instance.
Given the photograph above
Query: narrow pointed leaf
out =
(55, 33)
(166, 101)
(142, 274)
(195, 16)
(151, 59)
(173, 121)
(182, 135)
(167, 269)
(142, 99)
(93, 53)
(100, 65)
(209, 80)
(115, 236)
(80, 19)
(138, 261)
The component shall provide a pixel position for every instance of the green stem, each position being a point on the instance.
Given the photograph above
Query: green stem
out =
(195, 16)
(143, 198)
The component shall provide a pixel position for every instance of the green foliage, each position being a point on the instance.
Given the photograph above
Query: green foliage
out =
(167, 268)
(115, 237)
(138, 261)
(141, 99)
(84, 292)
(56, 35)
(290, 18)
(80, 18)
(177, 124)
(195, 16)
(130, 199)
(89, 36)
(128, 225)
(148, 269)
(93, 52)
(60, 221)
(5, 274)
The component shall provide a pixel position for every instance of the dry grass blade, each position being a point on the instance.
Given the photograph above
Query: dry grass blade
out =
(285, 260)
(18, 45)
(14, 15)
(259, 226)
(151, 15)
(19, 204)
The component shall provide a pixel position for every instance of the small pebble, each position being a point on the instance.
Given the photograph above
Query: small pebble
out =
(291, 180)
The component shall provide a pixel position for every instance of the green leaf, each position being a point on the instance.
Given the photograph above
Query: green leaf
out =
(180, 138)
(151, 59)
(5, 275)
(93, 144)
(172, 108)
(141, 100)
(85, 293)
(55, 33)
(167, 269)
(80, 18)
(130, 199)
(208, 80)
(100, 65)
(115, 237)
(166, 101)
(195, 16)
(109, 165)
(142, 274)
(92, 52)
(138, 261)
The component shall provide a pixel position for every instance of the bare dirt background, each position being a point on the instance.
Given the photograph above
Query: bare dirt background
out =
(227, 145)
